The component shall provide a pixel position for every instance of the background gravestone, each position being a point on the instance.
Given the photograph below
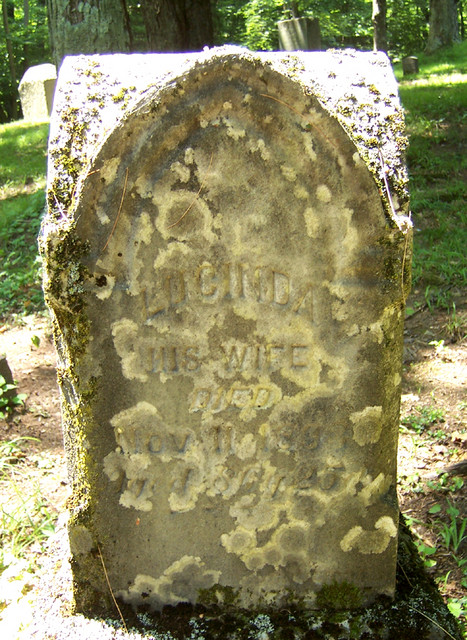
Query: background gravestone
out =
(302, 34)
(227, 264)
(36, 91)
(410, 65)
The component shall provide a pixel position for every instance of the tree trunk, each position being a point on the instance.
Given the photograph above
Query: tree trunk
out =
(379, 25)
(444, 24)
(178, 25)
(87, 26)
(26, 33)
(293, 8)
(11, 60)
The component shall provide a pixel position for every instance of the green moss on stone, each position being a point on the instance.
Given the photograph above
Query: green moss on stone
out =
(218, 595)
(339, 595)
(120, 96)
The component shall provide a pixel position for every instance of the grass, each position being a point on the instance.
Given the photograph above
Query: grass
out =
(436, 120)
(25, 525)
(23, 148)
(22, 199)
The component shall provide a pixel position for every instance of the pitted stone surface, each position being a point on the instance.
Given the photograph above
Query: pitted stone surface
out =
(228, 276)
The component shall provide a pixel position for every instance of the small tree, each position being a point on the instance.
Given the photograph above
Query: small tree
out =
(11, 59)
(379, 25)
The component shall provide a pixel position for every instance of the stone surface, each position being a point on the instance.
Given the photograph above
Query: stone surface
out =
(301, 34)
(227, 257)
(36, 91)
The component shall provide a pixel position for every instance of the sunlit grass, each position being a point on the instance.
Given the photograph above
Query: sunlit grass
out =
(23, 149)
(434, 102)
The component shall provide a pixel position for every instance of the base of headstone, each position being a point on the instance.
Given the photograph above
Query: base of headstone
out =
(417, 612)
(410, 65)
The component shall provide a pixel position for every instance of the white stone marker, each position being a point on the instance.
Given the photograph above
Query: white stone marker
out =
(36, 91)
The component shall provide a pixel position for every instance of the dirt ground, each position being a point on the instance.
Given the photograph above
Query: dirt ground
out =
(434, 398)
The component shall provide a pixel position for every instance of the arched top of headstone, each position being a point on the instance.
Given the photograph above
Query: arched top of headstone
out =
(356, 88)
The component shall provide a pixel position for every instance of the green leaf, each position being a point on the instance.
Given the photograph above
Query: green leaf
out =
(35, 340)
(456, 607)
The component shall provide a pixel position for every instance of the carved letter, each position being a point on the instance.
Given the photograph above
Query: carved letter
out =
(281, 287)
(261, 397)
(201, 398)
(207, 280)
(298, 356)
(191, 361)
(305, 302)
(176, 291)
(236, 358)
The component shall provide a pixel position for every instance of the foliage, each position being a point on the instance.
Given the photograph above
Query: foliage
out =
(22, 155)
(454, 533)
(10, 454)
(8, 400)
(29, 38)
(253, 23)
(422, 418)
(436, 537)
(407, 24)
(25, 520)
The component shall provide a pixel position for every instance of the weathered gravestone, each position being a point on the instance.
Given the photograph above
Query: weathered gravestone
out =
(299, 34)
(227, 257)
(36, 91)
(410, 65)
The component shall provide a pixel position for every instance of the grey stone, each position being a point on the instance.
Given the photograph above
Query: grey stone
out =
(227, 256)
(302, 34)
(36, 91)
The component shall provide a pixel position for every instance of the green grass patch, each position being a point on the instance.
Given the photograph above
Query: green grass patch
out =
(445, 61)
(20, 265)
(25, 519)
(23, 153)
(436, 119)
(23, 149)
(25, 522)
